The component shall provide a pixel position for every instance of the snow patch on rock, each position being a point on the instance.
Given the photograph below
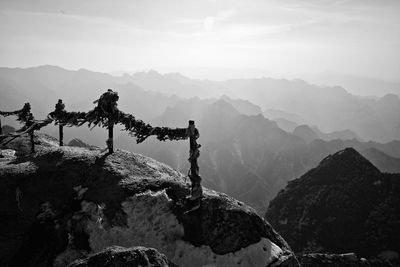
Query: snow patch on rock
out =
(151, 223)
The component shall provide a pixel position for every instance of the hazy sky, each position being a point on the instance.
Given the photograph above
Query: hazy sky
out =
(210, 37)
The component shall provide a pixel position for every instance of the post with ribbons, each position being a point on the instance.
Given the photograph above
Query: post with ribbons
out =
(59, 113)
(196, 190)
(29, 122)
(107, 109)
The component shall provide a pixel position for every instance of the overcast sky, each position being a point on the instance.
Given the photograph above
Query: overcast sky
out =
(227, 38)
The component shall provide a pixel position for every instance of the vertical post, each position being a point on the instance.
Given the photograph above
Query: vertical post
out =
(32, 141)
(110, 141)
(194, 168)
(59, 113)
(1, 128)
(194, 176)
(61, 133)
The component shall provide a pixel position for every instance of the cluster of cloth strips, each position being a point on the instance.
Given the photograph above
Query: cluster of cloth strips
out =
(94, 117)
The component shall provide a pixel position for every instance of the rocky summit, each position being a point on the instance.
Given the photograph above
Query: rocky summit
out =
(343, 205)
(62, 205)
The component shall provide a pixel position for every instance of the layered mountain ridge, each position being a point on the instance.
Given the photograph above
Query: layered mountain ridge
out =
(329, 108)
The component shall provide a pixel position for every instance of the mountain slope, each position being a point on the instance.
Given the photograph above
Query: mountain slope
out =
(344, 204)
(65, 202)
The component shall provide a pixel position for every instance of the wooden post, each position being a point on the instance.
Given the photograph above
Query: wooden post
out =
(61, 133)
(110, 141)
(59, 112)
(196, 190)
(32, 141)
(194, 167)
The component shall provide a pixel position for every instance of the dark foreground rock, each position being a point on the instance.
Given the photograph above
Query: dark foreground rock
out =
(332, 260)
(125, 257)
(344, 260)
(63, 203)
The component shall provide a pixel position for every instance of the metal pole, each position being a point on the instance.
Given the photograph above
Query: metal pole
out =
(61, 133)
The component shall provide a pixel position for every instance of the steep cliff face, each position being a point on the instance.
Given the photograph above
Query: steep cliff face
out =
(343, 205)
(64, 203)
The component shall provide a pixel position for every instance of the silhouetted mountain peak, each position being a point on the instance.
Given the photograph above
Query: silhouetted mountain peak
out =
(344, 154)
(345, 204)
(346, 161)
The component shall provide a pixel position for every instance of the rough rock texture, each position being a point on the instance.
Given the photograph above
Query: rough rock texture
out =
(332, 260)
(344, 205)
(79, 143)
(62, 203)
(125, 257)
(22, 146)
(343, 260)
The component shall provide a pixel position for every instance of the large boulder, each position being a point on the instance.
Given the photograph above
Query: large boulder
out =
(63, 203)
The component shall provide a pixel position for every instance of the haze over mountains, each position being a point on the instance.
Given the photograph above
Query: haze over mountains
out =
(355, 84)
(256, 134)
(328, 108)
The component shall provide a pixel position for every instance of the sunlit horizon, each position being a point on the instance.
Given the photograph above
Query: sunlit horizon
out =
(205, 39)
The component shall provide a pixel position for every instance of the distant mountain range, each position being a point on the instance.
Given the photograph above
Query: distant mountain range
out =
(243, 153)
(329, 108)
(356, 85)
(344, 204)
(310, 134)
